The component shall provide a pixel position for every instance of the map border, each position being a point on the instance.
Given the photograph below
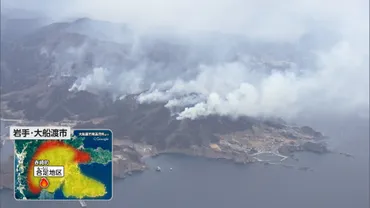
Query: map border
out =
(67, 200)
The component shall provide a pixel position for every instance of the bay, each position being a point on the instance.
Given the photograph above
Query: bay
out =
(335, 181)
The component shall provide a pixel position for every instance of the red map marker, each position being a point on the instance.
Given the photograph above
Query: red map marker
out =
(44, 183)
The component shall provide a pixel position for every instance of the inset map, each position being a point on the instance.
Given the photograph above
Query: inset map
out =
(74, 169)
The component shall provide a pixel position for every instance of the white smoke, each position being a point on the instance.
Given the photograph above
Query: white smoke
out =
(101, 80)
(97, 80)
(337, 80)
(234, 89)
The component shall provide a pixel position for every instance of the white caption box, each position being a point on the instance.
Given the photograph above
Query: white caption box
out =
(40, 132)
(48, 171)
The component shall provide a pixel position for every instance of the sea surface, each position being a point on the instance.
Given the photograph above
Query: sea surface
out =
(333, 181)
(7, 150)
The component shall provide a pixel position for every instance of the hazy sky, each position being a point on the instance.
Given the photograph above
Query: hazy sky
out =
(284, 19)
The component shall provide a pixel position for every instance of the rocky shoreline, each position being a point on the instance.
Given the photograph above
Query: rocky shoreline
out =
(125, 169)
(315, 147)
(129, 158)
(239, 147)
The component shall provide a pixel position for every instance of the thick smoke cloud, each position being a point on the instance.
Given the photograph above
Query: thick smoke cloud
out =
(335, 33)
(234, 89)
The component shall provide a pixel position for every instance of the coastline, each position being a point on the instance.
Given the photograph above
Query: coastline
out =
(243, 147)
(123, 168)
(236, 158)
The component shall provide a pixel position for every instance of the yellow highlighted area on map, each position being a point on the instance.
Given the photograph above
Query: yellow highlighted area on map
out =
(75, 184)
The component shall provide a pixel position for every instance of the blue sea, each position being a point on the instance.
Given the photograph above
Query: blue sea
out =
(94, 142)
(98, 172)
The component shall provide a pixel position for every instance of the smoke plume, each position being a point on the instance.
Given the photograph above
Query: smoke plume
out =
(236, 57)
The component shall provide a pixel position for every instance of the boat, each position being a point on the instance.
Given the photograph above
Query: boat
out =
(170, 169)
(158, 169)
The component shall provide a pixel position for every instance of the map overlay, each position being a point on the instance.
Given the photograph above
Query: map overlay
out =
(79, 168)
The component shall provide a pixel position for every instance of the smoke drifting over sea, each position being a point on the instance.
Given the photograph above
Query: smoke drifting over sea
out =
(206, 76)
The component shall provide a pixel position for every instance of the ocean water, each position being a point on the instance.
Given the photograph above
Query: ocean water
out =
(7, 150)
(335, 181)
